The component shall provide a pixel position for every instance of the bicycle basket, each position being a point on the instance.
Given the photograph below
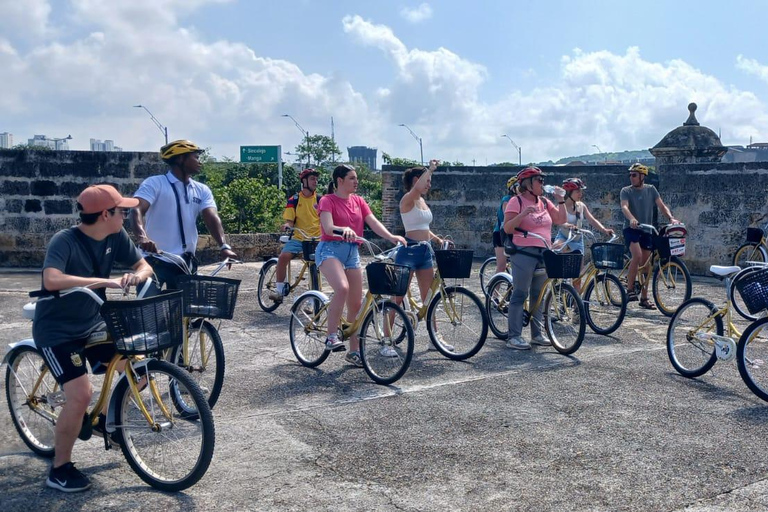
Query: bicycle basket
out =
(308, 247)
(755, 235)
(661, 243)
(454, 263)
(208, 296)
(387, 278)
(753, 289)
(608, 256)
(145, 326)
(562, 266)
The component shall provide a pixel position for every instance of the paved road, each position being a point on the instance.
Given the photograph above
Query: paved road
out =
(611, 428)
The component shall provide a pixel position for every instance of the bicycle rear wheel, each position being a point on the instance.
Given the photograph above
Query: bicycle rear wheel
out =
(564, 318)
(28, 386)
(605, 303)
(384, 360)
(267, 284)
(457, 320)
(691, 351)
(749, 252)
(671, 285)
(752, 357)
(307, 330)
(487, 271)
(205, 358)
(497, 306)
(172, 453)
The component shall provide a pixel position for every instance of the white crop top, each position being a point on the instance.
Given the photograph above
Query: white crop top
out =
(416, 219)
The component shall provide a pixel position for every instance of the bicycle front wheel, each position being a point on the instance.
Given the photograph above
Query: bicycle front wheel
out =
(456, 323)
(690, 347)
(384, 360)
(671, 285)
(497, 305)
(735, 296)
(605, 303)
(169, 452)
(564, 318)
(487, 271)
(307, 329)
(267, 284)
(749, 252)
(205, 358)
(752, 357)
(28, 386)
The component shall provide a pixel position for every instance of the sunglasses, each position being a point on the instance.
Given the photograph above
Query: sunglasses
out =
(539, 179)
(125, 212)
(634, 174)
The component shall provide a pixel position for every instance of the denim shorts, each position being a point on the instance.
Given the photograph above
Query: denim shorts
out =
(292, 246)
(417, 257)
(573, 246)
(346, 252)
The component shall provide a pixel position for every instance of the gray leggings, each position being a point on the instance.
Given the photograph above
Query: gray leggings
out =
(526, 278)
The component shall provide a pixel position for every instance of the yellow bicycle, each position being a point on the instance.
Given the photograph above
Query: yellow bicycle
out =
(753, 250)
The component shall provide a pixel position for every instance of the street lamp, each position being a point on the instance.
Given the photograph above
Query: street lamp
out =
(519, 150)
(305, 133)
(163, 129)
(421, 148)
(605, 157)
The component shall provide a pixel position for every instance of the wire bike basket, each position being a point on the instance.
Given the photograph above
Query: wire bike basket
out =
(607, 256)
(308, 247)
(755, 235)
(562, 266)
(208, 296)
(753, 289)
(454, 263)
(387, 278)
(145, 326)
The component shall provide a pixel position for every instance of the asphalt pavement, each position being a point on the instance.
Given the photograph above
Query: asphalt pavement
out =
(612, 427)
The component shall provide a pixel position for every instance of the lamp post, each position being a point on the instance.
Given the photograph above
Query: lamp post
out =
(519, 150)
(605, 157)
(163, 129)
(305, 133)
(421, 147)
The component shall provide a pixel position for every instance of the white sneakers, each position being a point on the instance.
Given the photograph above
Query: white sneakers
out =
(540, 340)
(518, 343)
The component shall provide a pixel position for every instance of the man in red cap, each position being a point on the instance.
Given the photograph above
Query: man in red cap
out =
(82, 255)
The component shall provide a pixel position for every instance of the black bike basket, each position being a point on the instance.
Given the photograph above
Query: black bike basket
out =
(387, 278)
(145, 326)
(661, 243)
(755, 235)
(208, 296)
(753, 289)
(562, 266)
(454, 263)
(608, 256)
(308, 247)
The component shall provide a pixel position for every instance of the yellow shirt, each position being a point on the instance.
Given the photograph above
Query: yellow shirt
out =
(303, 212)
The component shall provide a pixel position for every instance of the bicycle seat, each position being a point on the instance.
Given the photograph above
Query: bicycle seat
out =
(723, 271)
(28, 311)
(284, 239)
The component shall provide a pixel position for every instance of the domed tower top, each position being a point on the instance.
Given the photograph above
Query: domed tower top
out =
(690, 143)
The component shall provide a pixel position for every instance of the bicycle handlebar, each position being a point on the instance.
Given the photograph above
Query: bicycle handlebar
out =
(46, 295)
(177, 260)
(648, 227)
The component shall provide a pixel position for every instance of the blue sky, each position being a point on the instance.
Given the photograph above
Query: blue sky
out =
(557, 76)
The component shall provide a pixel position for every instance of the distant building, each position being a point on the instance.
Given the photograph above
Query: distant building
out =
(43, 141)
(6, 140)
(107, 145)
(756, 152)
(363, 154)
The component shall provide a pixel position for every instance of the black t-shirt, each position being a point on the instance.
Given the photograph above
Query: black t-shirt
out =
(74, 316)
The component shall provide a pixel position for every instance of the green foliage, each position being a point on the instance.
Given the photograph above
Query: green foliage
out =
(29, 147)
(397, 161)
(320, 148)
(369, 187)
(250, 205)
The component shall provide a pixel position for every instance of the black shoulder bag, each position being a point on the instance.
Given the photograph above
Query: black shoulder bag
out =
(189, 257)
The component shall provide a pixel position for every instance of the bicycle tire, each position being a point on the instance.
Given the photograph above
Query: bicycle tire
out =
(307, 332)
(689, 355)
(466, 332)
(25, 368)
(752, 356)
(749, 252)
(384, 361)
(735, 296)
(155, 452)
(209, 340)
(267, 283)
(487, 271)
(497, 305)
(666, 285)
(566, 322)
(609, 303)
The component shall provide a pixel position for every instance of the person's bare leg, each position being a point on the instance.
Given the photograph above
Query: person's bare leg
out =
(78, 393)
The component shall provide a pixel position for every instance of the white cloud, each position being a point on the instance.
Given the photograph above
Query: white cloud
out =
(418, 14)
(752, 67)
(26, 20)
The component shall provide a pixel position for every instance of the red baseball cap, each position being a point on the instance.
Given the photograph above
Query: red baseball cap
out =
(98, 198)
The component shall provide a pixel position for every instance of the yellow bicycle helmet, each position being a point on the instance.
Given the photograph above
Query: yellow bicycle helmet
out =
(638, 167)
(511, 182)
(178, 147)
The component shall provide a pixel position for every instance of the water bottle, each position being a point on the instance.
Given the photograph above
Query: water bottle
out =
(549, 189)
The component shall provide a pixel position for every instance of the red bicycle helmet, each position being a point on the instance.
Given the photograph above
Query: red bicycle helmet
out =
(308, 172)
(573, 184)
(529, 172)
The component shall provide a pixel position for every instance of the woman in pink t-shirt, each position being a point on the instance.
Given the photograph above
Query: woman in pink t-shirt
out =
(529, 211)
(337, 256)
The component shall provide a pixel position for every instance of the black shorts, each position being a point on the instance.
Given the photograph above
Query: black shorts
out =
(66, 360)
(498, 239)
(636, 235)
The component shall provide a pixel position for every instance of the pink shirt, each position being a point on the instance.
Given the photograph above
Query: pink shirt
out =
(538, 222)
(350, 212)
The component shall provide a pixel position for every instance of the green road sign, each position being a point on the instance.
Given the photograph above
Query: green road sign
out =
(260, 154)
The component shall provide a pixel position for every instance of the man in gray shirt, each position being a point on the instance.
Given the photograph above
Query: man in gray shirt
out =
(637, 201)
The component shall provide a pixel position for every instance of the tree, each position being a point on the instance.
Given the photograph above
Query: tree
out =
(319, 148)
(369, 187)
(398, 162)
(250, 205)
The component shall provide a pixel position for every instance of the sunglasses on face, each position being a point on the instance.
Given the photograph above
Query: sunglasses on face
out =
(634, 174)
(539, 179)
(125, 212)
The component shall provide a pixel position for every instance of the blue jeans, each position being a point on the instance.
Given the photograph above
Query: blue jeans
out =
(416, 256)
(346, 252)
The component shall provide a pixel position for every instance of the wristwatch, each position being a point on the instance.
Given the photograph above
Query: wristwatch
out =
(225, 247)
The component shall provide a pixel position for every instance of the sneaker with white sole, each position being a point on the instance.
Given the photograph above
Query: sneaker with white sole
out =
(388, 351)
(67, 478)
(354, 359)
(276, 296)
(334, 345)
(540, 340)
(445, 345)
(518, 343)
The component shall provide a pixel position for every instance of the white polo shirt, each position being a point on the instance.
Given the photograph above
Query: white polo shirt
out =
(161, 220)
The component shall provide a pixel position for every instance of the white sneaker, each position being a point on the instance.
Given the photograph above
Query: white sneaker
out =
(276, 296)
(540, 340)
(446, 346)
(518, 343)
(388, 351)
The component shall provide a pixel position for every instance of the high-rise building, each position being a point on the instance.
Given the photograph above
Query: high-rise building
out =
(107, 145)
(43, 141)
(363, 154)
(6, 140)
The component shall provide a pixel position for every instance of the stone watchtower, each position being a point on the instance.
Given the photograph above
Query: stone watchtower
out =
(689, 144)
